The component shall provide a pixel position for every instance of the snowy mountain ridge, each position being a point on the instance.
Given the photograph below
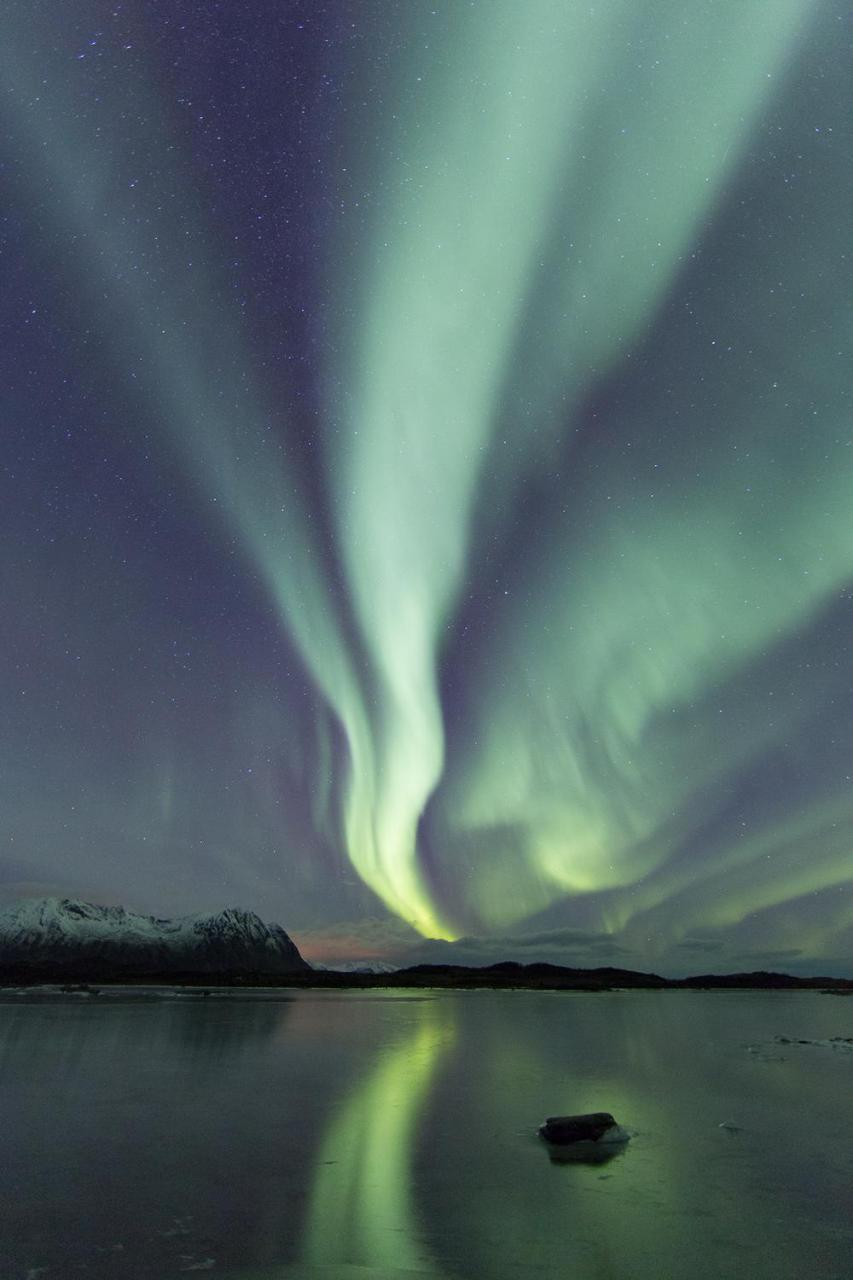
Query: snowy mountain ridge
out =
(64, 931)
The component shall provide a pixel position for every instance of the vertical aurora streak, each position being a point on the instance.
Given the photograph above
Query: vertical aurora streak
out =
(499, 181)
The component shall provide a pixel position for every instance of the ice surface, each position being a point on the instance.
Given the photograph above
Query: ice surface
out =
(341, 1136)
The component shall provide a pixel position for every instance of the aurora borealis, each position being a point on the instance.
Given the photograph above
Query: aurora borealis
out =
(428, 472)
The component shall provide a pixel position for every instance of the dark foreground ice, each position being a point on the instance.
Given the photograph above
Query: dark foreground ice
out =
(365, 1136)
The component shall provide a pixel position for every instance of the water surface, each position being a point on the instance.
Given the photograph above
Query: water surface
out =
(287, 1136)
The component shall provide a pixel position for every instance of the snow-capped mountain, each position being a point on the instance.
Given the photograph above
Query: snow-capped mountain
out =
(67, 934)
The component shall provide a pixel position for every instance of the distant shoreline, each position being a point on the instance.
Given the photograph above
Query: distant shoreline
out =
(501, 977)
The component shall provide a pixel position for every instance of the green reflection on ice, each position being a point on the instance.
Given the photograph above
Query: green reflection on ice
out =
(362, 1202)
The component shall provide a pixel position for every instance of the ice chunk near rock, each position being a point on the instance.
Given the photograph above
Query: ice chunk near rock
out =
(730, 1127)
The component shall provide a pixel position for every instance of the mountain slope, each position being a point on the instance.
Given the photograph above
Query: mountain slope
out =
(50, 933)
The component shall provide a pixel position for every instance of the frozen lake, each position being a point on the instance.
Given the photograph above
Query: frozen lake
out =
(360, 1135)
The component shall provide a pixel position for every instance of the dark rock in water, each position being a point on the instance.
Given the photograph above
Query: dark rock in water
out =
(563, 1130)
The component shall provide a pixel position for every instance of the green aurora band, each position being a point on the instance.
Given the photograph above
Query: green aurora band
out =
(535, 193)
(510, 157)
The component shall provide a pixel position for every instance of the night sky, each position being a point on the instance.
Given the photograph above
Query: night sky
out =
(426, 472)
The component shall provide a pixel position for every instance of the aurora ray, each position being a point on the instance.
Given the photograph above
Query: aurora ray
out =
(520, 170)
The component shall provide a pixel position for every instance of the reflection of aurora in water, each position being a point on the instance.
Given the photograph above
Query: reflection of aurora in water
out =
(558, 553)
(363, 1208)
(430, 1165)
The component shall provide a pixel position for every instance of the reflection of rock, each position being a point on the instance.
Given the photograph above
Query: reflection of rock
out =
(594, 1136)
